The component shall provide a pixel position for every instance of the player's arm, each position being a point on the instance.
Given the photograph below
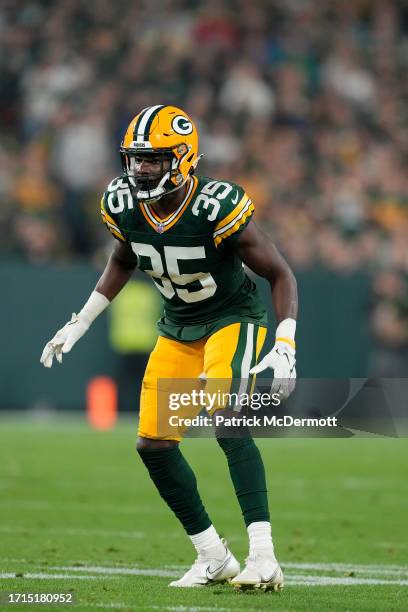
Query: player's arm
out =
(259, 253)
(120, 267)
(118, 270)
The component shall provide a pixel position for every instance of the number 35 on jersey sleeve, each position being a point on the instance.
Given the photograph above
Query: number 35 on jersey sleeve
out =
(228, 206)
(113, 201)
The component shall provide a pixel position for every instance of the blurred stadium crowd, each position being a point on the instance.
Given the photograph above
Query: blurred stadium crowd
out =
(301, 101)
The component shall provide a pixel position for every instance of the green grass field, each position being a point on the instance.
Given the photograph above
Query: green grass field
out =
(79, 514)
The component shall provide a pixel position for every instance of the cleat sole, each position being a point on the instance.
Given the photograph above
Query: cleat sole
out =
(262, 586)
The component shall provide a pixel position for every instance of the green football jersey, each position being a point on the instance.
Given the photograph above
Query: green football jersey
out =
(190, 255)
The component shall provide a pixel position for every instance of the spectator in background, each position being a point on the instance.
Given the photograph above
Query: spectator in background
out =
(59, 76)
(389, 323)
(246, 91)
(34, 221)
(81, 160)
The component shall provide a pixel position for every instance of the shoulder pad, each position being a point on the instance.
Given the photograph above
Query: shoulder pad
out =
(116, 199)
(234, 210)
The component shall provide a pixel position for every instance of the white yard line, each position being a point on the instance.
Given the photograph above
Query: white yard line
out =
(169, 572)
(79, 507)
(390, 544)
(373, 574)
(350, 567)
(199, 609)
(290, 580)
(119, 571)
(41, 576)
(73, 531)
(122, 605)
(345, 581)
(387, 569)
(104, 605)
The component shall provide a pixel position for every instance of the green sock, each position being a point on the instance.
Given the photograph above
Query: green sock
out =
(177, 485)
(248, 476)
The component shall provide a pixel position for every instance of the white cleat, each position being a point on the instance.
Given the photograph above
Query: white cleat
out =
(209, 569)
(261, 572)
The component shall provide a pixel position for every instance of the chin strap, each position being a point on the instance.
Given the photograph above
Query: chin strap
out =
(195, 162)
(151, 200)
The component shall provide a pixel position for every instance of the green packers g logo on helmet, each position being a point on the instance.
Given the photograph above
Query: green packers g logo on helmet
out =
(181, 125)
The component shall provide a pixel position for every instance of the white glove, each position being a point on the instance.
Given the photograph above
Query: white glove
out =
(281, 359)
(64, 340)
(67, 336)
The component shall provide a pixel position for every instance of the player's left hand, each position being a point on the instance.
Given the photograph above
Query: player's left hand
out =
(282, 361)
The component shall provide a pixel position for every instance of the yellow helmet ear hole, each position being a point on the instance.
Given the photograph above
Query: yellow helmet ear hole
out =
(182, 149)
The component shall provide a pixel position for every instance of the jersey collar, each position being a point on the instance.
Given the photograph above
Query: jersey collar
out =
(162, 225)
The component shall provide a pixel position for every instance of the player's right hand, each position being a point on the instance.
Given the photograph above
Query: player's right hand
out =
(64, 340)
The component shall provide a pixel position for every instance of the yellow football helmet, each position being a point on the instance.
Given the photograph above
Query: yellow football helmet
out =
(163, 133)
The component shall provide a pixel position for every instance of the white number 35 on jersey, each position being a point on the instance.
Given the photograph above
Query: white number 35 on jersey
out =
(165, 285)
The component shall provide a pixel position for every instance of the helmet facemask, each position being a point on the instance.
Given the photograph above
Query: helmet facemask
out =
(151, 187)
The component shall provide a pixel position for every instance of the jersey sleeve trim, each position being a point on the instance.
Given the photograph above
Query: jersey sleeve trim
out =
(236, 210)
(110, 223)
(233, 222)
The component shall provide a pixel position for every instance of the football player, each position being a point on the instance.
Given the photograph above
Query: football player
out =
(191, 235)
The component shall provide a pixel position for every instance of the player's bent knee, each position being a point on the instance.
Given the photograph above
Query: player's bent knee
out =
(149, 444)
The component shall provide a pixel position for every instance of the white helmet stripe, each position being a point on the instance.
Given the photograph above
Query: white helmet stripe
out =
(143, 120)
